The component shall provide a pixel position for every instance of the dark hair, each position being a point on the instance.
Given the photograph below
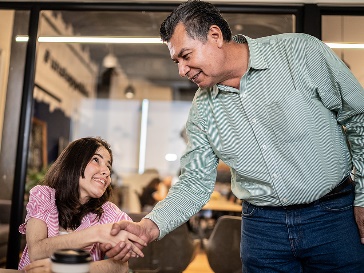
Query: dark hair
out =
(64, 175)
(197, 17)
(153, 184)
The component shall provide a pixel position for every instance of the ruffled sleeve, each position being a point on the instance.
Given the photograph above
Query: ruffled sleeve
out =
(42, 205)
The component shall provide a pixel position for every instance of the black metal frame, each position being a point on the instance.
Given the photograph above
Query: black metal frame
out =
(308, 20)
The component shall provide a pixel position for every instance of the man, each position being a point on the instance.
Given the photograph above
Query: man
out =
(287, 116)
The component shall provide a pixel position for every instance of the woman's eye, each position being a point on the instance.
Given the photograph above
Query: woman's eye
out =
(95, 159)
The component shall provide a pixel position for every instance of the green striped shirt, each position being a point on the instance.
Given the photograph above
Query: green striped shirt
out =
(281, 133)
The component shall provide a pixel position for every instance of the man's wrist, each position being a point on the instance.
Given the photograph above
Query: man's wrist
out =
(151, 229)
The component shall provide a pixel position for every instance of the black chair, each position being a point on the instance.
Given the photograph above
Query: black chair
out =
(223, 246)
(172, 254)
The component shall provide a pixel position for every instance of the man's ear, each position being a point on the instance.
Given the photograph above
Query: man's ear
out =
(215, 35)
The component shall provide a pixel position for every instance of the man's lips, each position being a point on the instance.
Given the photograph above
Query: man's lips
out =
(194, 77)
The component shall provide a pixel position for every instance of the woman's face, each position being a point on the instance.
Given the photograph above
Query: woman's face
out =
(97, 176)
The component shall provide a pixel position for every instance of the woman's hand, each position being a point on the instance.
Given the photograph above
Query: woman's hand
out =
(40, 266)
(125, 240)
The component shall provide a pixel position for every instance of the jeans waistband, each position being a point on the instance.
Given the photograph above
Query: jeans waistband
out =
(336, 192)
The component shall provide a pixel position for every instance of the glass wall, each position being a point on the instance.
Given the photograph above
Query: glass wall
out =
(128, 93)
(125, 92)
(345, 29)
(12, 61)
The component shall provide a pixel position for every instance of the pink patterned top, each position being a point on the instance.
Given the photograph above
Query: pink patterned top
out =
(42, 205)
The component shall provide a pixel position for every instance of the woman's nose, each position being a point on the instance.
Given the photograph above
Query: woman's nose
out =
(105, 170)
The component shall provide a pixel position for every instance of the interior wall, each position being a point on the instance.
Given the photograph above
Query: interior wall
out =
(347, 29)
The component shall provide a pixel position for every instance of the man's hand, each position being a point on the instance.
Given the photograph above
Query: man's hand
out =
(359, 217)
(146, 230)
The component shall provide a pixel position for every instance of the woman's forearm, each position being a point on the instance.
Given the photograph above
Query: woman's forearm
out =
(44, 248)
(109, 266)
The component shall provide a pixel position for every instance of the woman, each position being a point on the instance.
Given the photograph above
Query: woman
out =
(151, 195)
(73, 203)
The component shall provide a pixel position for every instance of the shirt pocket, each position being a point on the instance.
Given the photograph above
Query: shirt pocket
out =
(289, 118)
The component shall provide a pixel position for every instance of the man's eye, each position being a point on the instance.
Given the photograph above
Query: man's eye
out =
(186, 57)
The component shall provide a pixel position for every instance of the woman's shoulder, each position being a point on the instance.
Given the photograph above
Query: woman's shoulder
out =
(42, 194)
(113, 213)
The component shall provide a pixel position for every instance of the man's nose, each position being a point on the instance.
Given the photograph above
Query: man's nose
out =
(183, 69)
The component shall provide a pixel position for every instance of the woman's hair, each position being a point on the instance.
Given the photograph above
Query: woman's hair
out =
(64, 176)
(197, 17)
(153, 184)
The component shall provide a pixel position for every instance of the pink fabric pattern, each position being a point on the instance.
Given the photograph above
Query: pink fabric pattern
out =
(42, 205)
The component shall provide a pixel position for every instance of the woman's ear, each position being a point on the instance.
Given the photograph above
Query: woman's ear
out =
(215, 35)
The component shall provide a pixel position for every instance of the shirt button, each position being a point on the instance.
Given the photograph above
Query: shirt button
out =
(275, 176)
(264, 147)
(244, 95)
(285, 200)
(254, 121)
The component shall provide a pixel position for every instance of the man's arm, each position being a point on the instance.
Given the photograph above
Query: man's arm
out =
(146, 230)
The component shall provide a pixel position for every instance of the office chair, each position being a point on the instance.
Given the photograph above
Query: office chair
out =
(223, 246)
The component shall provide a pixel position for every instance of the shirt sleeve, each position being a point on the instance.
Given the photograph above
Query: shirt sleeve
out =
(42, 205)
(197, 179)
(341, 92)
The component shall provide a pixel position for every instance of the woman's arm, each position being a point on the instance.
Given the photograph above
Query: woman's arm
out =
(40, 246)
(104, 266)
(109, 266)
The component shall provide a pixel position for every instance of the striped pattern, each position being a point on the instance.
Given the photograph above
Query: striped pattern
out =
(42, 205)
(281, 133)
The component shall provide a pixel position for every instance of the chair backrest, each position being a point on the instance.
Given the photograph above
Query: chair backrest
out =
(172, 254)
(223, 246)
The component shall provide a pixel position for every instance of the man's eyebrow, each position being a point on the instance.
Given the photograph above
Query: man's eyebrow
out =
(182, 51)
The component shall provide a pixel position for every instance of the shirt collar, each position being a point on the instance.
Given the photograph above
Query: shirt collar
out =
(256, 61)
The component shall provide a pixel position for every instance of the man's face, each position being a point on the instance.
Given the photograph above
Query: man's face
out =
(199, 61)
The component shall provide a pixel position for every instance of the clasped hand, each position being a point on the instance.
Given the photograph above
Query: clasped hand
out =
(145, 230)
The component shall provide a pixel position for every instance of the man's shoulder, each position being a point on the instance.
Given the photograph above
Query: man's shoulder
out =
(296, 41)
(287, 38)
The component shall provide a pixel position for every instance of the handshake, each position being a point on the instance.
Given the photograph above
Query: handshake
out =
(146, 230)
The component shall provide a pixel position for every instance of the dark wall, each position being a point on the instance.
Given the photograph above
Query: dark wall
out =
(58, 127)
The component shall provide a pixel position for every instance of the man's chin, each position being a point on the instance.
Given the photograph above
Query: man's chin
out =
(204, 85)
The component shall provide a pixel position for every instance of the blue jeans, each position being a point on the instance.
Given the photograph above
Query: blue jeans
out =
(320, 238)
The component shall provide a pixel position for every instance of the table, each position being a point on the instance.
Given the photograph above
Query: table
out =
(222, 204)
(218, 205)
(2, 270)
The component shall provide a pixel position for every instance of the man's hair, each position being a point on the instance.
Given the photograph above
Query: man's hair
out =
(197, 17)
(64, 175)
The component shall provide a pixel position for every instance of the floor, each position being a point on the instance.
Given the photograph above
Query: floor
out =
(199, 265)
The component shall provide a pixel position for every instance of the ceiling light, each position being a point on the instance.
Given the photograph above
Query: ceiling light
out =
(110, 61)
(129, 92)
(93, 39)
(346, 45)
(171, 157)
